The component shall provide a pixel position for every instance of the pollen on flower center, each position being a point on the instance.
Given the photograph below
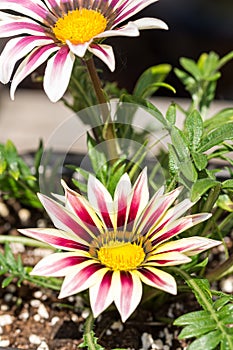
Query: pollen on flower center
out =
(79, 26)
(121, 257)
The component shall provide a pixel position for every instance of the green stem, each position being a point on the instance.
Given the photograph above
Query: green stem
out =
(222, 270)
(108, 131)
(88, 332)
(25, 241)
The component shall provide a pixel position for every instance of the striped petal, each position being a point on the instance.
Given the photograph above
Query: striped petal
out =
(177, 227)
(14, 50)
(156, 210)
(65, 220)
(81, 207)
(56, 238)
(140, 197)
(101, 200)
(121, 199)
(30, 63)
(20, 25)
(158, 279)
(105, 53)
(58, 264)
(127, 292)
(82, 277)
(130, 29)
(57, 73)
(166, 259)
(34, 9)
(190, 246)
(150, 23)
(101, 294)
(129, 9)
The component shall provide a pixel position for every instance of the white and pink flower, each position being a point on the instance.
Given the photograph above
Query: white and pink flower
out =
(114, 244)
(59, 30)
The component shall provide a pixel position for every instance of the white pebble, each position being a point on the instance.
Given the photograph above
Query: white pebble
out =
(38, 294)
(54, 320)
(34, 339)
(74, 318)
(35, 303)
(147, 341)
(24, 215)
(4, 307)
(108, 332)
(158, 344)
(36, 318)
(4, 343)
(5, 320)
(43, 346)
(227, 285)
(4, 210)
(42, 311)
(85, 313)
(24, 315)
(17, 248)
(117, 325)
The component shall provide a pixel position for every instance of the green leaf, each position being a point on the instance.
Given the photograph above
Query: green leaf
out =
(190, 66)
(227, 184)
(194, 128)
(7, 281)
(152, 75)
(171, 114)
(224, 202)
(198, 329)
(200, 187)
(208, 341)
(191, 317)
(216, 137)
(223, 117)
(200, 160)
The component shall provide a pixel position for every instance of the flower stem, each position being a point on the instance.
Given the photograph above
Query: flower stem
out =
(108, 130)
(23, 240)
(222, 270)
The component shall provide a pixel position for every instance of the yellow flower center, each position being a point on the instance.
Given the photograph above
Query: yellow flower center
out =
(79, 26)
(121, 256)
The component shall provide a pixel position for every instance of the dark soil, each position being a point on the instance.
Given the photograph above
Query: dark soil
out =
(33, 318)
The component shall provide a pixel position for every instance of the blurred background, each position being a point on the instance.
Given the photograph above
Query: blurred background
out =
(195, 26)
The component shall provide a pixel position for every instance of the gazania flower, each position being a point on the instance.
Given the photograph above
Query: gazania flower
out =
(114, 244)
(59, 30)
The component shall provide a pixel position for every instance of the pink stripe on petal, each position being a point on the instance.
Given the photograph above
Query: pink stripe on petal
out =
(158, 279)
(121, 197)
(81, 280)
(128, 292)
(57, 73)
(14, 50)
(100, 199)
(100, 294)
(57, 264)
(177, 227)
(140, 197)
(20, 27)
(124, 12)
(35, 9)
(55, 238)
(105, 53)
(63, 219)
(30, 63)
